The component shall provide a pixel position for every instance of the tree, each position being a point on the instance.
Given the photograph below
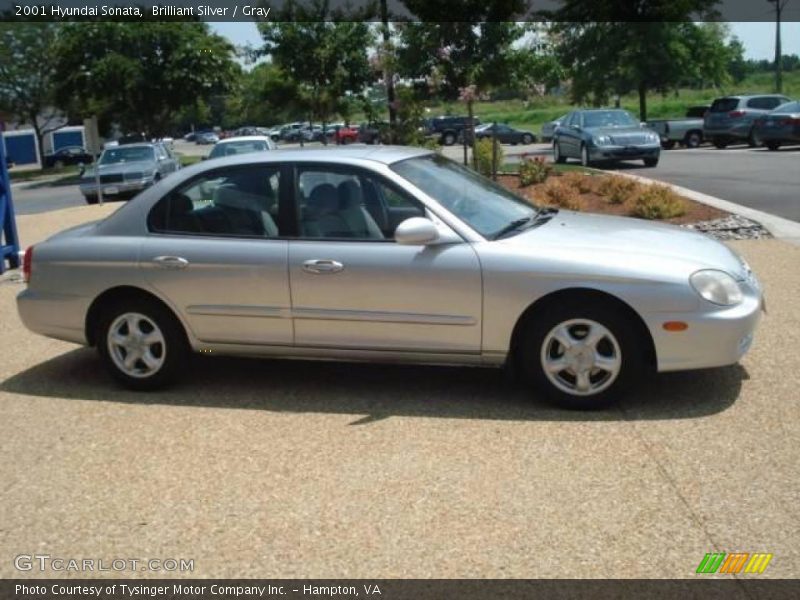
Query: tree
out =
(263, 96)
(613, 48)
(141, 75)
(324, 54)
(779, 6)
(27, 75)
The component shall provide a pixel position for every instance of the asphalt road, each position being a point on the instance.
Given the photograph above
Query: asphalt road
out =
(305, 469)
(757, 178)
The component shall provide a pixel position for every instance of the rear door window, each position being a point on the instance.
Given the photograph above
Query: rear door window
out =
(724, 105)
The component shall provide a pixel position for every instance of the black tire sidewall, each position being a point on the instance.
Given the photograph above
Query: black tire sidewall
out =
(537, 328)
(177, 348)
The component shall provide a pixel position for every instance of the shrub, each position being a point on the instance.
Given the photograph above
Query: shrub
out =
(483, 156)
(578, 181)
(534, 170)
(618, 189)
(563, 195)
(658, 202)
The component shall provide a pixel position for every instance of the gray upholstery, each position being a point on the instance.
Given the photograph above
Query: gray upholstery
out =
(249, 212)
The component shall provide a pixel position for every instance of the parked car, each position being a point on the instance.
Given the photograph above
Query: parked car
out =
(242, 145)
(781, 126)
(128, 169)
(505, 134)
(687, 131)
(732, 118)
(346, 134)
(293, 132)
(313, 134)
(549, 128)
(288, 254)
(373, 133)
(69, 155)
(605, 135)
(448, 129)
(207, 137)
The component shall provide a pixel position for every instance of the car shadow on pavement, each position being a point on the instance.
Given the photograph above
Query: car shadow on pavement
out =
(373, 392)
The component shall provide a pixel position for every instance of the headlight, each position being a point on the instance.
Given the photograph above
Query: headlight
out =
(653, 137)
(602, 140)
(717, 287)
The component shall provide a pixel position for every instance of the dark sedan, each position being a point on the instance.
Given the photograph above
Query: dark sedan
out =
(781, 126)
(505, 134)
(605, 135)
(69, 155)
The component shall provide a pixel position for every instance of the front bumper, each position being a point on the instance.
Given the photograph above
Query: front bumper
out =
(624, 152)
(716, 338)
(122, 188)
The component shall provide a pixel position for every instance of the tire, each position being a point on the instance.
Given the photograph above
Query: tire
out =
(557, 156)
(528, 139)
(752, 139)
(573, 322)
(773, 145)
(650, 162)
(90, 199)
(585, 162)
(693, 139)
(157, 334)
(449, 138)
(668, 145)
(720, 143)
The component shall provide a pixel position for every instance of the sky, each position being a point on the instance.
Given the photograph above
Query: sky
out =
(758, 38)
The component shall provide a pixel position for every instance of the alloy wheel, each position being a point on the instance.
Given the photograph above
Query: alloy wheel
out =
(136, 345)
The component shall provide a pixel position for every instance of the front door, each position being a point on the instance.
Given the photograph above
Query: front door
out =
(353, 287)
(214, 253)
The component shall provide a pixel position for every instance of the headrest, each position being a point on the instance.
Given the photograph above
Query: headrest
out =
(324, 199)
(349, 195)
(230, 196)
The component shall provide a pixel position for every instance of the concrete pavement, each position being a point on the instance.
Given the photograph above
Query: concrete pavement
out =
(297, 469)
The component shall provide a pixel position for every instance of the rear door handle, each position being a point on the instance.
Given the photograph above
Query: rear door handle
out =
(170, 262)
(322, 266)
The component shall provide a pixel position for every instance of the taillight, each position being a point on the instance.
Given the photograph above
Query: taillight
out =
(735, 114)
(790, 122)
(27, 261)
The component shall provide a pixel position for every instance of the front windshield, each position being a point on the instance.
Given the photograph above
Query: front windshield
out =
(789, 107)
(479, 202)
(122, 154)
(243, 147)
(609, 118)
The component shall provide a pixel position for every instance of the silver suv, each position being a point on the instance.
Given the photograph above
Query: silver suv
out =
(733, 118)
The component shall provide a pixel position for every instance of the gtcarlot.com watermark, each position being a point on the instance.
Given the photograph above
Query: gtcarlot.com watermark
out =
(46, 563)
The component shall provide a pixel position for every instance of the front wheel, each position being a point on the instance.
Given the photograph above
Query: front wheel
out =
(585, 161)
(720, 143)
(650, 162)
(581, 355)
(773, 145)
(142, 344)
(557, 156)
(448, 139)
(90, 199)
(527, 139)
(693, 139)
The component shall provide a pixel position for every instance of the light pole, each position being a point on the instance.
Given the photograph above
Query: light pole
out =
(779, 4)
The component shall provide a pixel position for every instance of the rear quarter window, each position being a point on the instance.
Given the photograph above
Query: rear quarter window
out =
(724, 105)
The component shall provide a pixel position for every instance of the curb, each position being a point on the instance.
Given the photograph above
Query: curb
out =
(780, 228)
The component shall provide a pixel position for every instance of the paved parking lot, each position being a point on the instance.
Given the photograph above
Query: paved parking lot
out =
(301, 469)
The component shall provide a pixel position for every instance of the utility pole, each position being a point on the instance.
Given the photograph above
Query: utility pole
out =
(779, 4)
(388, 72)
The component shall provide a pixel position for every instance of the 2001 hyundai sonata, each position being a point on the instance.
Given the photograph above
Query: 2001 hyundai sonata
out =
(386, 254)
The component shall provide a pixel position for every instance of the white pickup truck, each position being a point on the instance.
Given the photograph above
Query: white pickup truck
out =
(687, 131)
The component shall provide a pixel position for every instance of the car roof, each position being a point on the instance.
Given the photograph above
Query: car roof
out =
(138, 145)
(380, 154)
(244, 138)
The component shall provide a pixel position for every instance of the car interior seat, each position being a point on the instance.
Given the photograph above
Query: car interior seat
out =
(352, 210)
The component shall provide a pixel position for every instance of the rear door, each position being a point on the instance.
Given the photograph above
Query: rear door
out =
(718, 116)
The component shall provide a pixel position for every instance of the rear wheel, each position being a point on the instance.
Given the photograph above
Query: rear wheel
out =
(585, 162)
(581, 354)
(650, 162)
(142, 344)
(693, 139)
(720, 143)
(90, 199)
(449, 138)
(557, 156)
(527, 139)
(752, 139)
(773, 145)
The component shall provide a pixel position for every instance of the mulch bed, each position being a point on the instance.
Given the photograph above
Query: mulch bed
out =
(594, 202)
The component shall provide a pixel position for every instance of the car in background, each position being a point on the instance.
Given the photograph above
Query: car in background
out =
(687, 131)
(347, 134)
(314, 133)
(505, 134)
(69, 155)
(374, 132)
(387, 254)
(126, 170)
(781, 126)
(447, 129)
(549, 128)
(732, 118)
(605, 135)
(207, 137)
(242, 145)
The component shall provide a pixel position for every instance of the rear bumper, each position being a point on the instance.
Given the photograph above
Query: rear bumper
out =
(59, 316)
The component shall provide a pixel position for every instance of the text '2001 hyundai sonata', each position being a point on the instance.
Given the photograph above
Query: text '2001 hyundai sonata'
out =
(386, 254)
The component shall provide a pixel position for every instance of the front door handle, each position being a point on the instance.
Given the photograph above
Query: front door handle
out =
(170, 262)
(322, 266)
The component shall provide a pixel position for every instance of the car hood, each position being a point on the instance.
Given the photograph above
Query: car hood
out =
(629, 243)
(612, 131)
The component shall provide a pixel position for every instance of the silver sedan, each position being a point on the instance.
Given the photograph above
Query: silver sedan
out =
(386, 254)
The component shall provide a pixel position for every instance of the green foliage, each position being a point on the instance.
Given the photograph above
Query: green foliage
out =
(534, 170)
(264, 96)
(483, 156)
(327, 58)
(141, 75)
(658, 202)
(27, 74)
(618, 189)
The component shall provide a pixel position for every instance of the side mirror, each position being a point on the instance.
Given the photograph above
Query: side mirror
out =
(416, 231)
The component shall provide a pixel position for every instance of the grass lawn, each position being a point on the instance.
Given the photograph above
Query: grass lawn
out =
(187, 161)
